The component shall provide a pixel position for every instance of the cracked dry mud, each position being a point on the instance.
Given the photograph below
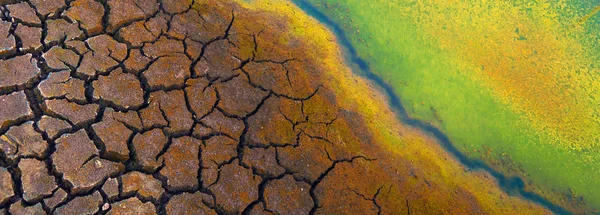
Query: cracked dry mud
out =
(157, 107)
(179, 107)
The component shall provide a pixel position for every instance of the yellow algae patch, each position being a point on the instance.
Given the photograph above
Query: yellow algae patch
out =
(530, 56)
(435, 177)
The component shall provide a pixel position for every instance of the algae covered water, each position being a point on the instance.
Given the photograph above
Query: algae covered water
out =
(511, 85)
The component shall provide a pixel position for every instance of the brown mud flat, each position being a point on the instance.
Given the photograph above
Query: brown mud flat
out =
(173, 107)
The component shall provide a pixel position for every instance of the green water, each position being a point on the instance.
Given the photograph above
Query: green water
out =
(433, 90)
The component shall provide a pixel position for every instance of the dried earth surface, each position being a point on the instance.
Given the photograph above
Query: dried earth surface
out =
(181, 107)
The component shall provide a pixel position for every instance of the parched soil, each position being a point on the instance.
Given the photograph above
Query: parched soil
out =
(179, 107)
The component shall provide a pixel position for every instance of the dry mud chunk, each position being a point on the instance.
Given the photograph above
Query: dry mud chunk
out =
(262, 160)
(168, 72)
(81, 205)
(106, 53)
(220, 123)
(287, 196)
(7, 40)
(53, 126)
(269, 75)
(58, 197)
(15, 107)
(181, 164)
(18, 70)
(47, 7)
(6, 185)
(163, 47)
(236, 189)
(193, 48)
(59, 58)
(23, 140)
(77, 114)
(210, 174)
(36, 181)
(176, 6)
(142, 32)
(217, 151)
(137, 33)
(147, 146)
(144, 185)
(290, 78)
(76, 158)
(269, 43)
(197, 26)
(243, 44)
(136, 61)
(77, 46)
(269, 126)
(189, 203)
(23, 12)
(60, 28)
(111, 188)
(114, 136)
(89, 13)
(120, 88)
(152, 116)
(132, 206)
(130, 118)
(217, 62)
(308, 160)
(321, 107)
(20, 208)
(158, 24)
(125, 11)
(30, 36)
(341, 186)
(238, 97)
(61, 85)
(172, 105)
(202, 98)
(293, 111)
